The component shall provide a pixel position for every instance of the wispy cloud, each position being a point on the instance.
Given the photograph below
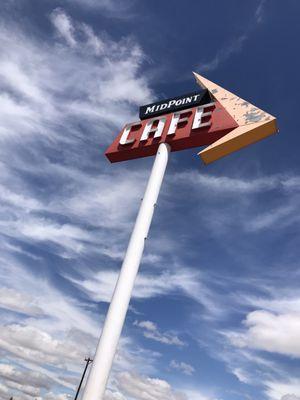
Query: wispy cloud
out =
(151, 331)
(115, 8)
(259, 12)
(246, 195)
(241, 375)
(179, 280)
(144, 388)
(223, 54)
(236, 44)
(23, 303)
(185, 368)
(238, 185)
(64, 26)
(284, 390)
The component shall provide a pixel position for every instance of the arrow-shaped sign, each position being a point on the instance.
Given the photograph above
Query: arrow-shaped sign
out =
(254, 124)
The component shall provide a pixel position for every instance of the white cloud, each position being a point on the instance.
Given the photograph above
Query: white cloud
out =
(68, 236)
(283, 390)
(80, 34)
(94, 42)
(25, 377)
(64, 26)
(25, 389)
(13, 300)
(28, 381)
(187, 369)
(55, 396)
(278, 300)
(196, 394)
(150, 331)
(16, 77)
(148, 325)
(3, 390)
(99, 287)
(35, 345)
(241, 375)
(137, 387)
(290, 397)
(272, 217)
(109, 395)
(43, 74)
(56, 311)
(270, 332)
(145, 388)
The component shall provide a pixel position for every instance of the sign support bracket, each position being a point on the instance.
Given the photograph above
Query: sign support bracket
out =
(107, 346)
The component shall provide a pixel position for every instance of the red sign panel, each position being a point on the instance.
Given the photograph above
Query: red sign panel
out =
(195, 127)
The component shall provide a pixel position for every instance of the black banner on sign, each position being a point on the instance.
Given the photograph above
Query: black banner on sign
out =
(175, 104)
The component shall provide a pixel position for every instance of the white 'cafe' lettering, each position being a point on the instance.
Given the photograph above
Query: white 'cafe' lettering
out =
(176, 119)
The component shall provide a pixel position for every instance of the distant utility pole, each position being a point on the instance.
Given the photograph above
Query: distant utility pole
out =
(88, 361)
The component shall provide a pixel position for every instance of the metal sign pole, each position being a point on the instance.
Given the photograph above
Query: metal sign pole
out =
(107, 346)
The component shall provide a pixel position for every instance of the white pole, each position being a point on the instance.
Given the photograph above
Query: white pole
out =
(107, 346)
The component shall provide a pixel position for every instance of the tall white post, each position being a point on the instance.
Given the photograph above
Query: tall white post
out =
(107, 346)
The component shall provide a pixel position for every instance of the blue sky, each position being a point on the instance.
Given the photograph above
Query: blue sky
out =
(215, 310)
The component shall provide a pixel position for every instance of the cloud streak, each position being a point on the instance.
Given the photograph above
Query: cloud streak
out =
(150, 331)
(236, 44)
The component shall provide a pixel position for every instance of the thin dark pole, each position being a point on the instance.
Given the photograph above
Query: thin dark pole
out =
(88, 361)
